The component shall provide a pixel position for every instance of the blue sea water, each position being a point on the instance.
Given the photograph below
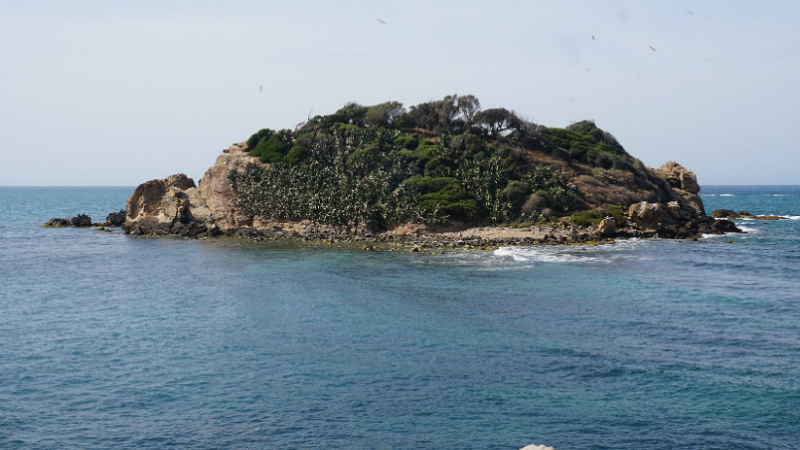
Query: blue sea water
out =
(114, 341)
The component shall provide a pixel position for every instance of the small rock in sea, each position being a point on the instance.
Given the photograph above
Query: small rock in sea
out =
(56, 223)
(729, 241)
(367, 247)
(116, 219)
(81, 220)
(415, 249)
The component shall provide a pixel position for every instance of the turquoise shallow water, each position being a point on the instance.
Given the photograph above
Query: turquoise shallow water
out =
(112, 341)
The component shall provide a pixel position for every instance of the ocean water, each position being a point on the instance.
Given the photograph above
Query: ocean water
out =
(113, 341)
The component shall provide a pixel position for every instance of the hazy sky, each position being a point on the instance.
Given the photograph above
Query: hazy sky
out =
(117, 93)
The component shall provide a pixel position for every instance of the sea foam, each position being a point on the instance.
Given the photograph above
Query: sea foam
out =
(601, 254)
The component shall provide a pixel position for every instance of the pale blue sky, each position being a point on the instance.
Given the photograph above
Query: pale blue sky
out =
(93, 93)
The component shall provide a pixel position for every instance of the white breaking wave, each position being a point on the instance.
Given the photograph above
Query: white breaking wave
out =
(537, 447)
(718, 195)
(732, 234)
(601, 254)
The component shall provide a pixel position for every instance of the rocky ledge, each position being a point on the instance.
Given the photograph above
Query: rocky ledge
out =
(115, 219)
(733, 215)
(176, 206)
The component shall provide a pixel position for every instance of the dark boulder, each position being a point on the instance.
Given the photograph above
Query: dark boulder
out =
(724, 214)
(116, 219)
(80, 221)
(56, 223)
(724, 226)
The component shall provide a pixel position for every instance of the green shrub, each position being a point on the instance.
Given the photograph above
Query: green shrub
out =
(384, 114)
(440, 166)
(296, 155)
(408, 141)
(351, 114)
(355, 166)
(516, 192)
(504, 151)
(257, 137)
(271, 150)
(445, 195)
(619, 214)
(586, 218)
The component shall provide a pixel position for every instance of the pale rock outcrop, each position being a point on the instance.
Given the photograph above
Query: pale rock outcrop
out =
(212, 203)
(157, 205)
(607, 227)
(174, 205)
(646, 216)
(684, 182)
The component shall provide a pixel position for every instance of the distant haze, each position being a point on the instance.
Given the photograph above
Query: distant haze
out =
(117, 93)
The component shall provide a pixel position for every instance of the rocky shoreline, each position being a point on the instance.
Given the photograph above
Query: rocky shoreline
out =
(176, 206)
(114, 219)
(742, 215)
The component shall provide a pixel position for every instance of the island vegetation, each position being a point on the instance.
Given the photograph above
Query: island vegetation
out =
(435, 163)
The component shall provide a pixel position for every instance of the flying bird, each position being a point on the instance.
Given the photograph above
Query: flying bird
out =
(690, 13)
(592, 37)
(651, 48)
(379, 20)
(260, 88)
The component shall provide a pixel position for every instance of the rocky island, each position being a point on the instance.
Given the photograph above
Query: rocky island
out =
(442, 173)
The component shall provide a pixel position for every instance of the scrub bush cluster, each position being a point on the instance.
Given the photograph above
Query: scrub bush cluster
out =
(435, 162)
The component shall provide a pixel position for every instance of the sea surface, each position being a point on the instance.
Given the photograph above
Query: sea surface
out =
(110, 341)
